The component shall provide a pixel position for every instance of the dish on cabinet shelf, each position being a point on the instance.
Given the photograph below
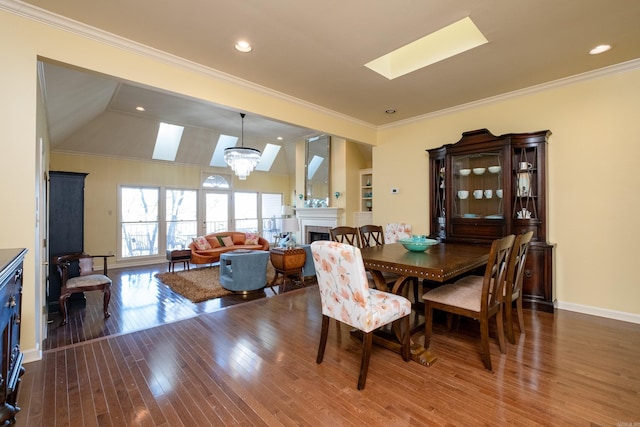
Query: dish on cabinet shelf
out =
(494, 169)
(463, 194)
(465, 172)
(496, 216)
(470, 215)
(479, 171)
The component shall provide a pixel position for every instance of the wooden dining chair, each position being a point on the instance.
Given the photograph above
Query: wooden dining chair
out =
(76, 273)
(345, 234)
(513, 286)
(476, 297)
(371, 235)
(346, 297)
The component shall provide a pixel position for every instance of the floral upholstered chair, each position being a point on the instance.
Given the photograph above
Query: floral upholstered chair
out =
(346, 297)
(394, 231)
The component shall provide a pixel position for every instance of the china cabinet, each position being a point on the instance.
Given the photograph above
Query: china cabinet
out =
(484, 187)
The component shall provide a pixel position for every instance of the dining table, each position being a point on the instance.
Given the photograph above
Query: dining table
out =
(439, 263)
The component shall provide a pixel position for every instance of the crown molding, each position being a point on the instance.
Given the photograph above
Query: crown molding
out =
(61, 22)
(622, 67)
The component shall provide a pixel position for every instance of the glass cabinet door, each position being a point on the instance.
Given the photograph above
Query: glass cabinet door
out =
(477, 186)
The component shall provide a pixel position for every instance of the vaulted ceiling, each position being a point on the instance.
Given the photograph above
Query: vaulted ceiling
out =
(316, 51)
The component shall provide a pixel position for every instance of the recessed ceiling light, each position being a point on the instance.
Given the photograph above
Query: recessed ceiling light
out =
(599, 49)
(279, 138)
(140, 108)
(390, 111)
(243, 46)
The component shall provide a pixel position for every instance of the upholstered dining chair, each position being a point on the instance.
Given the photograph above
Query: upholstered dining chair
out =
(346, 297)
(473, 298)
(513, 285)
(395, 231)
(345, 234)
(371, 235)
(76, 274)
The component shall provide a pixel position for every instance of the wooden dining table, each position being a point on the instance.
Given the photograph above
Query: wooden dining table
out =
(440, 263)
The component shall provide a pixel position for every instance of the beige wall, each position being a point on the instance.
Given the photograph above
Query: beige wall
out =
(593, 181)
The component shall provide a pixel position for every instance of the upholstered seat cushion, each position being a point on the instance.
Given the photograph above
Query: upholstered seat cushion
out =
(465, 293)
(385, 308)
(89, 280)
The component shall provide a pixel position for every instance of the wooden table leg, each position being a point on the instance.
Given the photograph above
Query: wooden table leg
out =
(418, 353)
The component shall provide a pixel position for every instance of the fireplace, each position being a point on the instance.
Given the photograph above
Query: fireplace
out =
(315, 223)
(314, 233)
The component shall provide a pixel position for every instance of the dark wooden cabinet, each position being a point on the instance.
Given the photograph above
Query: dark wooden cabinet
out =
(66, 226)
(484, 187)
(11, 371)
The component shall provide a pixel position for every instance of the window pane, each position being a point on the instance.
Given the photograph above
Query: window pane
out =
(139, 227)
(246, 212)
(271, 215)
(181, 218)
(216, 212)
(139, 204)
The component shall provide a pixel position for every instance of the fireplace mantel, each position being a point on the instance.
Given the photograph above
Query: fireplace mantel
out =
(316, 217)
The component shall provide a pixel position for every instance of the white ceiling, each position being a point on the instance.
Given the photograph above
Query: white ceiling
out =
(316, 51)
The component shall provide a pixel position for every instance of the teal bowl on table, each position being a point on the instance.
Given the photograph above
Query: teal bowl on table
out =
(417, 243)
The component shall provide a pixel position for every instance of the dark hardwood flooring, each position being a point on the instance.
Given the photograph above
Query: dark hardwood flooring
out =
(254, 364)
(138, 301)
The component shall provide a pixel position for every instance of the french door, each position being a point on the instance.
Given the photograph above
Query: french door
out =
(216, 211)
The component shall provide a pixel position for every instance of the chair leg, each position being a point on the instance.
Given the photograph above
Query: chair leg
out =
(367, 340)
(500, 324)
(484, 343)
(406, 338)
(62, 301)
(428, 324)
(105, 301)
(520, 313)
(509, 321)
(323, 338)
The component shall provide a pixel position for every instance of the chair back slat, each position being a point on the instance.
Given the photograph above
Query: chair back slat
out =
(371, 235)
(517, 260)
(345, 234)
(495, 273)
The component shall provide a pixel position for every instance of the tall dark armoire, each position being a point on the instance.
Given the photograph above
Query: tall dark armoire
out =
(66, 225)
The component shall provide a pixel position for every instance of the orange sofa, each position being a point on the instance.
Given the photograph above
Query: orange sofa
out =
(207, 256)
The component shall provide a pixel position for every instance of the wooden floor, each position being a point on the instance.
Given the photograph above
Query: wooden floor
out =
(138, 301)
(254, 364)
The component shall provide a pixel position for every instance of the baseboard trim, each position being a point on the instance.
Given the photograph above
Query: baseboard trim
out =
(32, 355)
(600, 312)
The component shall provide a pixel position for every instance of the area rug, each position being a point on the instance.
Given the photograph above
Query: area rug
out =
(200, 284)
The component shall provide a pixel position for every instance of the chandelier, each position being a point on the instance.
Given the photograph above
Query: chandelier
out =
(242, 160)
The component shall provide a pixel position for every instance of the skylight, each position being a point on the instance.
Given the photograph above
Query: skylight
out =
(269, 154)
(314, 164)
(442, 44)
(167, 142)
(224, 142)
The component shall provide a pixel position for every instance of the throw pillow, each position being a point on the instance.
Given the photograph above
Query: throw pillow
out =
(227, 241)
(219, 239)
(251, 239)
(201, 243)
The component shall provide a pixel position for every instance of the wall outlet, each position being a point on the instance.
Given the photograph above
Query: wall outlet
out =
(395, 190)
